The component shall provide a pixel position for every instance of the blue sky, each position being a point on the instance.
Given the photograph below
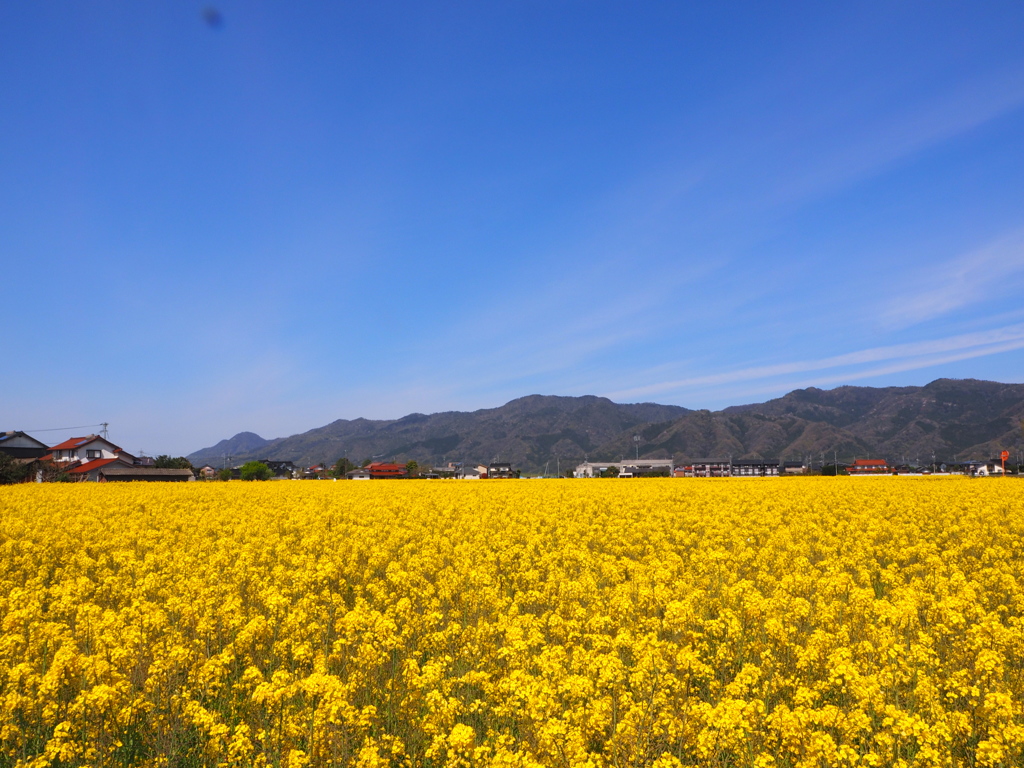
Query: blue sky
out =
(333, 210)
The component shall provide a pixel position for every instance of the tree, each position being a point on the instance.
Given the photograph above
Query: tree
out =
(611, 472)
(164, 461)
(342, 466)
(224, 474)
(256, 470)
(412, 468)
(12, 470)
(366, 462)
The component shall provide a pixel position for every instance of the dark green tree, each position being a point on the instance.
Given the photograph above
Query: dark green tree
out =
(412, 468)
(12, 470)
(256, 470)
(342, 466)
(164, 461)
(224, 474)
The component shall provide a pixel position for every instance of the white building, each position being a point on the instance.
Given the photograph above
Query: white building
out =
(634, 468)
(89, 448)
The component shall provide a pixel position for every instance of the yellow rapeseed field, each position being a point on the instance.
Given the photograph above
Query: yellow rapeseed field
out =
(792, 622)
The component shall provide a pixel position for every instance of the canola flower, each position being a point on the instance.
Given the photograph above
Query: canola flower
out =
(800, 622)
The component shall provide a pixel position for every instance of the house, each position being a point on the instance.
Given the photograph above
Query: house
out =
(469, 473)
(984, 468)
(645, 468)
(95, 459)
(358, 474)
(18, 445)
(280, 468)
(84, 449)
(381, 470)
(794, 468)
(126, 467)
(501, 470)
(711, 468)
(89, 471)
(755, 468)
(83, 457)
(869, 467)
(633, 468)
(207, 472)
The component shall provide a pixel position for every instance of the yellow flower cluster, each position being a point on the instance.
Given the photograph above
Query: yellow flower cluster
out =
(804, 622)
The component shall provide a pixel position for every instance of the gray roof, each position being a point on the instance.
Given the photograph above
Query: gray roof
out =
(127, 472)
(13, 434)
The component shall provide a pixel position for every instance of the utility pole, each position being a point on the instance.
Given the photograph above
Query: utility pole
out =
(636, 442)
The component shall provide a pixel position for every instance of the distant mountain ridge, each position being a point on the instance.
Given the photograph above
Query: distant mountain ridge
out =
(951, 418)
(529, 432)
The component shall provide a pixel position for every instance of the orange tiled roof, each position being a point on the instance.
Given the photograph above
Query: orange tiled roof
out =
(90, 465)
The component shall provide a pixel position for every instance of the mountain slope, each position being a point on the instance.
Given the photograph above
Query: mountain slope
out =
(950, 419)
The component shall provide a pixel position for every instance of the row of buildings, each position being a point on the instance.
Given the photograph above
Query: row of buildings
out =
(90, 458)
(94, 458)
(377, 470)
(382, 471)
(696, 468)
(727, 467)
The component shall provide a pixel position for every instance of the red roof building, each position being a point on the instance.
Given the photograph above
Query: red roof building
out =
(381, 471)
(869, 467)
(89, 471)
(83, 449)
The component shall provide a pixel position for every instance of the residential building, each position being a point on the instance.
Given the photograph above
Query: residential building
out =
(280, 468)
(983, 468)
(501, 470)
(754, 468)
(89, 471)
(19, 445)
(868, 467)
(711, 468)
(83, 449)
(632, 468)
(381, 470)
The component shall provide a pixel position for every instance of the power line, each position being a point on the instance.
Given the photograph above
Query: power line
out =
(65, 429)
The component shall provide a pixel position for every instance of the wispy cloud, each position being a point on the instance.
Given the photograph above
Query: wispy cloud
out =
(916, 126)
(911, 356)
(968, 279)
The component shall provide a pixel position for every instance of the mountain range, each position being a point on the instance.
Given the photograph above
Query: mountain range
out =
(950, 419)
